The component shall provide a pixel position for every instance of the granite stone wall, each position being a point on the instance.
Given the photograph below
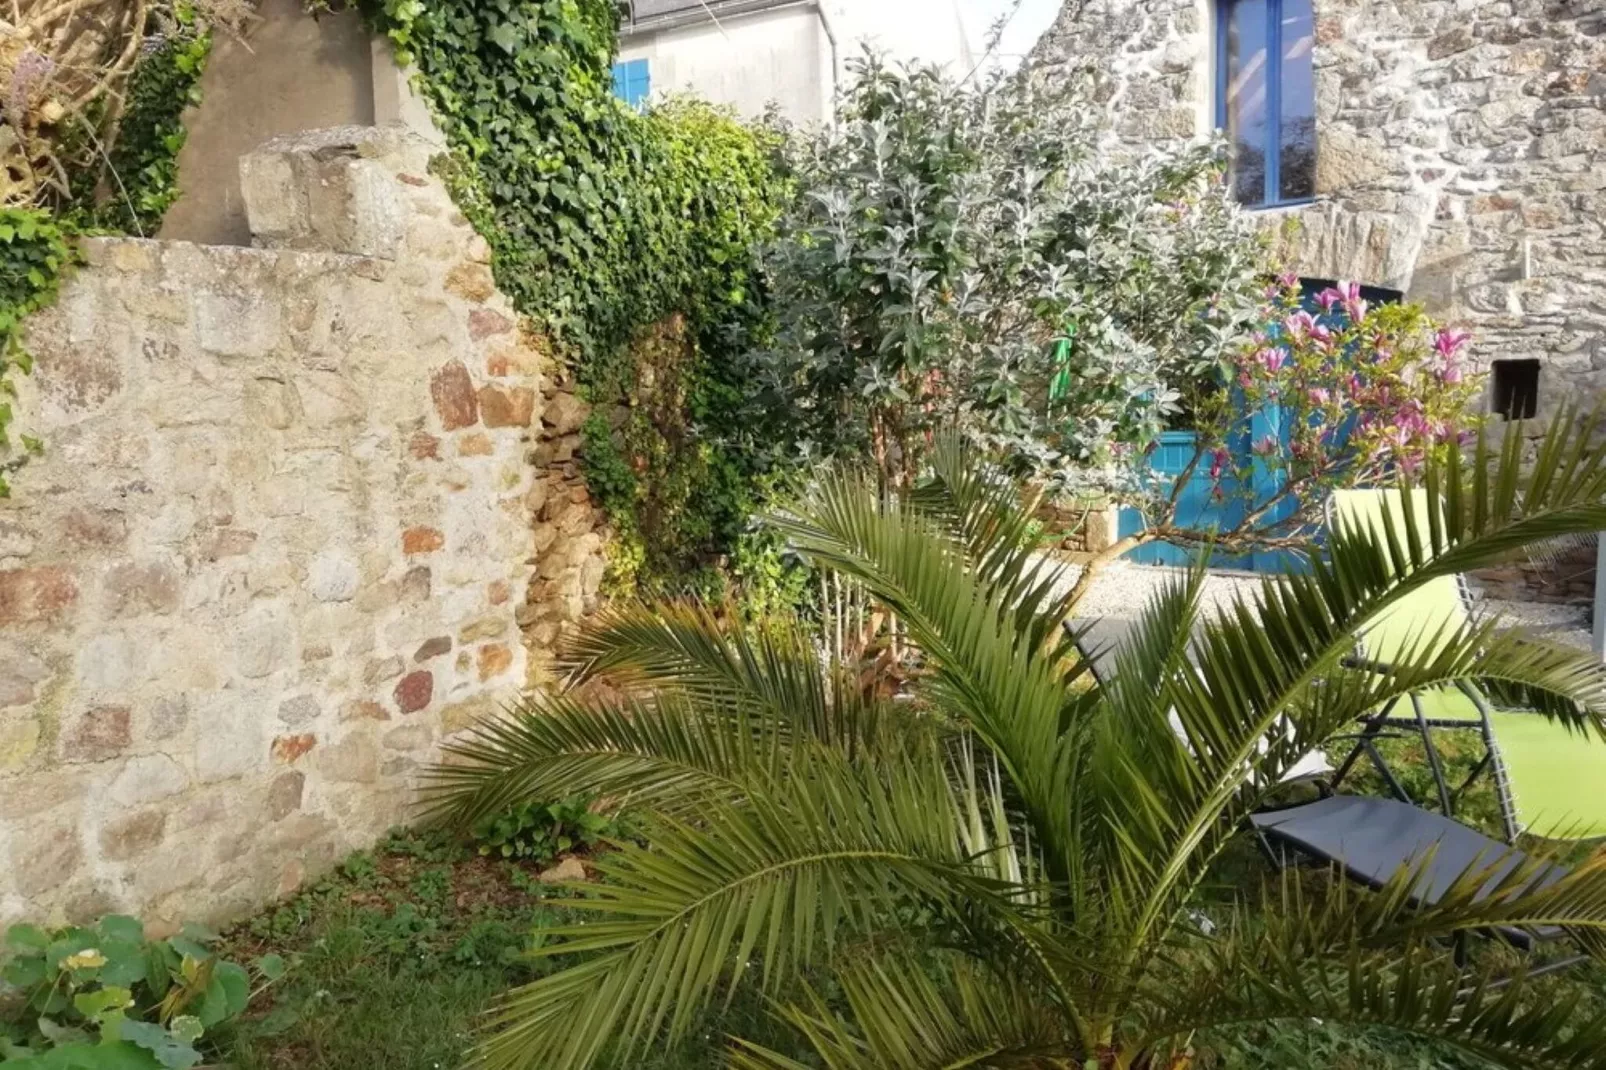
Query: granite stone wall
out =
(296, 503)
(1461, 155)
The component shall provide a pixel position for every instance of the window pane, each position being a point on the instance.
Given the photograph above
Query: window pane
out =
(1246, 98)
(1297, 176)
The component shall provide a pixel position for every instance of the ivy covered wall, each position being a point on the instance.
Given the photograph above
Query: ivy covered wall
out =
(630, 238)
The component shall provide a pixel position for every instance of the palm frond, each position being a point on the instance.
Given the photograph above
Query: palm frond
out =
(1366, 959)
(900, 1016)
(1011, 688)
(831, 849)
(990, 515)
(669, 755)
(775, 668)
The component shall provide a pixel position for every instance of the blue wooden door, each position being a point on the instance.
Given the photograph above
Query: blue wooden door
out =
(1201, 508)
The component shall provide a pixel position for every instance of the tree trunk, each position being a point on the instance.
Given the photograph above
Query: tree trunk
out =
(1102, 560)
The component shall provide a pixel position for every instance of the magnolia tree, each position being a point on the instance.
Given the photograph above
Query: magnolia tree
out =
(1329, 391)
(974, 255)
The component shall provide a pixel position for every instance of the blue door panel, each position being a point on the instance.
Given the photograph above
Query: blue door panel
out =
(1200, 508)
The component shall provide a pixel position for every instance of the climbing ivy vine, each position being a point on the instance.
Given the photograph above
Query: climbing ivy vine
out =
(140, 181)
(34, 250)
(631, 238)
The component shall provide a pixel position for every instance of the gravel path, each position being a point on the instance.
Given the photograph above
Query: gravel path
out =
(1124, 589)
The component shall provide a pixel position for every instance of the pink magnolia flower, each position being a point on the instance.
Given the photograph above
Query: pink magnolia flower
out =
(1288, 280)
(1410, 421)
(1300, 324)
(1328, 298)
(1447, 343)
(1271, 359)
(1218, 462)
(1264, 446)
(1350, 293)
(1320, 395)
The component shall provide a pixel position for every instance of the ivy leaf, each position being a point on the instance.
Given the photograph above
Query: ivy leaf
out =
(271, 967)
(59, 1034)
(27, 940)
(236, 986)
(507, 36)
(24, 972)
(227, 993)
(83, 1055)
(94, 1004)
(126, 963)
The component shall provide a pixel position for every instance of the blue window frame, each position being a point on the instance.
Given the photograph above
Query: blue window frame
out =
(632, 82)
(1266, 98)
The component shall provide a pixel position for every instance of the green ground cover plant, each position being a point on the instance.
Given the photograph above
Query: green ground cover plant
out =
(105, 997)
(393, 958)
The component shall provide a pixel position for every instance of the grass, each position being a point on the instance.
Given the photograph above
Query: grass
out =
(397, 953)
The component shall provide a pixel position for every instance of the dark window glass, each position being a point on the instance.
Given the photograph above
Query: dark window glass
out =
(1515, 389)
(1267, 98)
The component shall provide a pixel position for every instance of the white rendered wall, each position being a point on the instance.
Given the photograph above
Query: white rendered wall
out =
(747, 61)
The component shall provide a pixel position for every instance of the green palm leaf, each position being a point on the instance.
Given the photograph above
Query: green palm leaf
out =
(944, 1013)
(669, 755)
(830, 850)
(1023, 847)
(1367, 959)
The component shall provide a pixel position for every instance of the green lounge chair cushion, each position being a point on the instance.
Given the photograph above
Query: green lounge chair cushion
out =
(1417, 623)
(1441, 704)
(1558, 777)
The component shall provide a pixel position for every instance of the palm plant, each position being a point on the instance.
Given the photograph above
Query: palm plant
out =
(1003, 864)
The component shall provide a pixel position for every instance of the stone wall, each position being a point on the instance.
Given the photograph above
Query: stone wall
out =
(1461, 155)
(280, 544)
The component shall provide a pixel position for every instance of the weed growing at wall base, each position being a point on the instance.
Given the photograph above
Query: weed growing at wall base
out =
(106, 998)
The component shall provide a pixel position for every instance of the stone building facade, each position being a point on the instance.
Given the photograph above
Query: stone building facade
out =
(1460, 160)
(1461, 154)
(296, 504)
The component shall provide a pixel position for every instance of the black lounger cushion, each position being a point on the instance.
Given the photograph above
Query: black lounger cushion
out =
(1373, 838)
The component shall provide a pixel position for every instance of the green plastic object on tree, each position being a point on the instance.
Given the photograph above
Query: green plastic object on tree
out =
(1060, 388)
